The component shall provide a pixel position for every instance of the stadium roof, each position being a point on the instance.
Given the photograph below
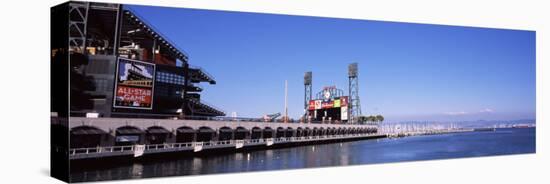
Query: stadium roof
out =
(150, 31)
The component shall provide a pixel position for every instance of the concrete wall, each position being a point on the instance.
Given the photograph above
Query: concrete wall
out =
(110, 125)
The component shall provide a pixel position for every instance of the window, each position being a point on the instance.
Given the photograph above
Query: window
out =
(170, 78)
(101, 84)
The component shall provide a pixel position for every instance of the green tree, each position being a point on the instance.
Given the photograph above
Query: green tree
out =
(379, 118)
(371, 119)
(362, 119)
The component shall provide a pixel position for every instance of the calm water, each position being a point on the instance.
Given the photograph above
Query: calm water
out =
(472, 144)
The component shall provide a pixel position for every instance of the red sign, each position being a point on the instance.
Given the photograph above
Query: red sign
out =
(344, 101)
(311, 105)
(133, 97)
(134, 84)
(329, 87)
(327, 105)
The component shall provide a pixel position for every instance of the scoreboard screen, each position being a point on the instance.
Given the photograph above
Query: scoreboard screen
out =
(334, 109)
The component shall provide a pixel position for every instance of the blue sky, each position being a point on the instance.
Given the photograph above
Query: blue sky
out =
(406, 71)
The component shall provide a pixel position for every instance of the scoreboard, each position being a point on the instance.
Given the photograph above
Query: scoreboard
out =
(329, 108)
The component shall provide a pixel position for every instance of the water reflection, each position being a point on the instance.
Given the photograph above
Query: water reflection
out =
(196, 166)
(137, 170)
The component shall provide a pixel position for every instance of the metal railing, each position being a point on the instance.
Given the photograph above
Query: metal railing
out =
(77, 151)
(207, 144)
(167, 147)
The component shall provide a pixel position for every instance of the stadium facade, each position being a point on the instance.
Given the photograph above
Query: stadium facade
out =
(107, 62)
(120, 66)
(121, 89)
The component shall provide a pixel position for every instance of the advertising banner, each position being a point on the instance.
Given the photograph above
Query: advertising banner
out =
(127, 138)
(134, 84)
(344, 113)
(344, 101)
(336, 103)
(328, 105)
(317, 104)
(311, 105)
(139, 150)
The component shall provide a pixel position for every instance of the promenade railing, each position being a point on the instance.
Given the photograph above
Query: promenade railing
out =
(206, 145)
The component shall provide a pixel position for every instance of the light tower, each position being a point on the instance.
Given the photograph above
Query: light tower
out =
(307, 92)
(355, 104)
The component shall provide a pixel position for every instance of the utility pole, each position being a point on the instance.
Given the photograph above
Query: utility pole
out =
(286, 103)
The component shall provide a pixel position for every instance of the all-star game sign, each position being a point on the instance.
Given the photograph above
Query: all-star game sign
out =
(134, 84)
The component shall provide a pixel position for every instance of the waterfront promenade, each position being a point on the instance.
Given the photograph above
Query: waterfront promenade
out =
(127, 137)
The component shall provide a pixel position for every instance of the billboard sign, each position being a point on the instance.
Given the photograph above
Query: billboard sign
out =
(328, 105)
(134, 84)
(344, 113)
(317, 104)
(344, 101)
(311, 105)
(336, 103)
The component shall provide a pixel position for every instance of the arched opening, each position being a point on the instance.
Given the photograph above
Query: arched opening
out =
(307, 132)
(268, 132)
(333, 131)
(321, 131)
(241, 133)
(156, 135)
(225, 133)
(315, 131)
(128, 135)
(348, 131)
(256, 133)
(86, 137)
(185, 134)
(340, 131)
(205, 134)
(280, 132)
(289, 132)
(299, 132)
